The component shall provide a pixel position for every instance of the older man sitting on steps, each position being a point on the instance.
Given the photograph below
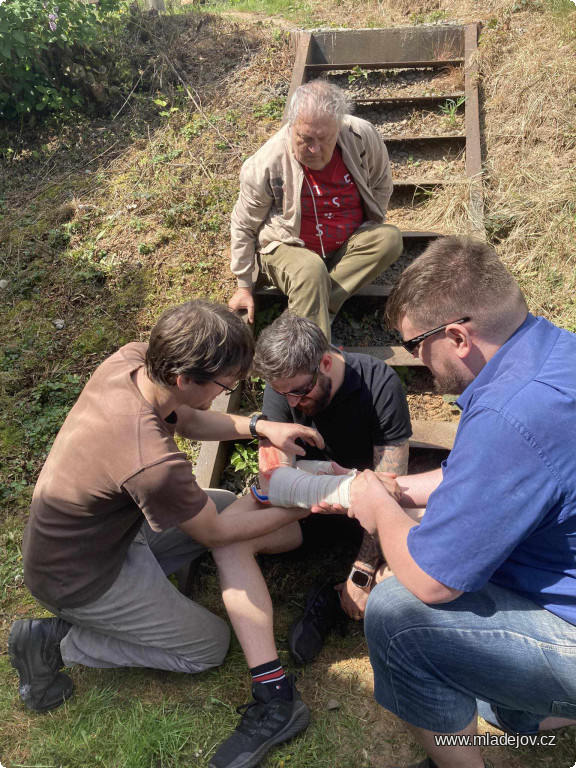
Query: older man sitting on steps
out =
(312, 206)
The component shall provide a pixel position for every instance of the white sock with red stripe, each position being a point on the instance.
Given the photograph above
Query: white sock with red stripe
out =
(272, 674)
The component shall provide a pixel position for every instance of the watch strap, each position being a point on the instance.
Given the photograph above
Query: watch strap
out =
(252, 425)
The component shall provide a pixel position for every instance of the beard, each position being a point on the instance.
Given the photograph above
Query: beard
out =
(313, 405)
(451, 381)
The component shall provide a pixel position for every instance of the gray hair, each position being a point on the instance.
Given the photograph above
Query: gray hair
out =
(291, 346)
(319, 99)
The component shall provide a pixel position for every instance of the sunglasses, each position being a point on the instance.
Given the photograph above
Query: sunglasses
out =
(303, 391)
(410, 345)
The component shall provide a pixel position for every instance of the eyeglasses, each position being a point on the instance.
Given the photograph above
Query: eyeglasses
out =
(228, 390)
(410, 345)
(303, 391)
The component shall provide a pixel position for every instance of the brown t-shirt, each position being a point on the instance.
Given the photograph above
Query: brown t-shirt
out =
(113, 462)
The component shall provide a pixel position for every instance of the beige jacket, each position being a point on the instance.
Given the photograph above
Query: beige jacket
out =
(267, 212)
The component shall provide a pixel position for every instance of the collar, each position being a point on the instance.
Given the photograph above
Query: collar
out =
(490, 369)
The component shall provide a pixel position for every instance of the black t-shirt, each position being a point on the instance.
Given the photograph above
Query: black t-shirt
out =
(369, 409)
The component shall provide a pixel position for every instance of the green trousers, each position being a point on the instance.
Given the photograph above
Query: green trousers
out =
(317, 288)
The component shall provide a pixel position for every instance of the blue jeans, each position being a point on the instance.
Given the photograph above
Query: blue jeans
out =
(494, 650)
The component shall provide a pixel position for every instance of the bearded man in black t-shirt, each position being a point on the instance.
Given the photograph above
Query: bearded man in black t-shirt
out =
(358, 405)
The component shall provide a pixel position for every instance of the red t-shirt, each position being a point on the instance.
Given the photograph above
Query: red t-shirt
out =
(338, 206)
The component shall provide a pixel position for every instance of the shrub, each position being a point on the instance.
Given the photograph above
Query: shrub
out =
(50, 53)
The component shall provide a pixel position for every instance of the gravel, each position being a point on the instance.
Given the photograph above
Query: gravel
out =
(379, 84)
(411, 121)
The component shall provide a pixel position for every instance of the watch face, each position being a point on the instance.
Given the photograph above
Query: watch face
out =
(360, 578)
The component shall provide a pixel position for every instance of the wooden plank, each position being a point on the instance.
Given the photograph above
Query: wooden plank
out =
(299, 71)
(211, 460)
(407, 101)
(458, 138)
(419, 234)
(438, 435)
(347, 67)
(393, 355)
(376, 290)
(472, 124)
(427, 183)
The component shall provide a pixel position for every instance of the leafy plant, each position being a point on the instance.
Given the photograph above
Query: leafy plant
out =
(357, 74)
(245, 458)
(450, 110)
(430, 17)
(273, 109)
(49, 53)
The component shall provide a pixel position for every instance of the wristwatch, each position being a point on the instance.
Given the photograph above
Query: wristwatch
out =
(253, 421)
(360, 577)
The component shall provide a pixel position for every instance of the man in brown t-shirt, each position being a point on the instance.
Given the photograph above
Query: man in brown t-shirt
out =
(117, 507)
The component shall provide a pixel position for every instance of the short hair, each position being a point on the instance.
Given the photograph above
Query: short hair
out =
(319, 99)
(290, 346)
(457, 277)
(201, 339)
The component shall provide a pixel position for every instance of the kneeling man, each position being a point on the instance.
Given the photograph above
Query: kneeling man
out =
(480, 616)
(117, 507)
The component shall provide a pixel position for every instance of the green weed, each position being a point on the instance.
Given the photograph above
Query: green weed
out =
(357, 74)
(245, 458)
(429, 17)
(273, 109)
(450, 110)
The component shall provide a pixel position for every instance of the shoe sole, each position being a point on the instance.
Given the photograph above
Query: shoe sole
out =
(17, 641)
(299, 721)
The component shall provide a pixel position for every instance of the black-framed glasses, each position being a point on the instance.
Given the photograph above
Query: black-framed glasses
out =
(228, 390)
(410, 345)
(303, 391)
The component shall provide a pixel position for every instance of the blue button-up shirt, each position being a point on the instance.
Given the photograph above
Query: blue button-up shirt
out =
(505, 510)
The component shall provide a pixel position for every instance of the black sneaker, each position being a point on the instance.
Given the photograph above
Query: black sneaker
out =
(265, 722)
(322, 614)
(34, 648)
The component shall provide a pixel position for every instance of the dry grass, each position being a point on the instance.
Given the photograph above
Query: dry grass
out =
(529, 92)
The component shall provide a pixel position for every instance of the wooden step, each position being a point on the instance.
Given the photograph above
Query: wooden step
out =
(348, 67)
(402, 184)
(211, 460)
(438, 435)
(401, 101)
(459, 138)
(393, 355)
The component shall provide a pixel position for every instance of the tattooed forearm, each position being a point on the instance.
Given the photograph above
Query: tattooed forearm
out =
(370, 553)
(387, 458)
(391, 458)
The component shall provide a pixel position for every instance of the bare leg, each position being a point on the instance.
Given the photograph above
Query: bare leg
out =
(449, 757)
(269, 459)
(551, 723)
(245, 593)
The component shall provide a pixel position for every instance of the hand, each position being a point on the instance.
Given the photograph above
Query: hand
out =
(368, 494)
(243, 299)
(353, 599)
(388, 480)
(323, 508)
(284, 436)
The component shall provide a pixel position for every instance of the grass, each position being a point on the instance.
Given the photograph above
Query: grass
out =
(104, 221)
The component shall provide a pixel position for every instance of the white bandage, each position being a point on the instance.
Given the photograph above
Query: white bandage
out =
(316, 467)
(296, 488)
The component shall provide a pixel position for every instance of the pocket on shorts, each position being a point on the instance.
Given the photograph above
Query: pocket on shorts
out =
(564, 709)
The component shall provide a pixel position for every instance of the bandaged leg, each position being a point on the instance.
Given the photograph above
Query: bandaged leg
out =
(296, 488)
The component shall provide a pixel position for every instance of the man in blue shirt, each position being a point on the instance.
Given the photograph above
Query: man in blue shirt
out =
(480, 615)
